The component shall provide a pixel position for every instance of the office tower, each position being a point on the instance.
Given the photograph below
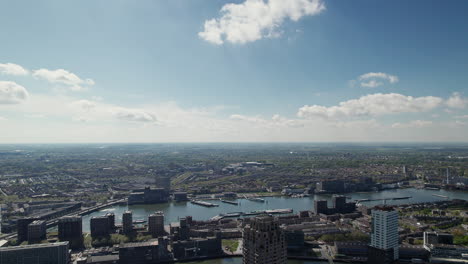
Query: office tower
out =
(56, 253)
(384, 236)
(70, 229)
(22, 228)
(156, 224)
(127, 222)
(320, 207)
(264, 242)
(37, 231)
(100, 226)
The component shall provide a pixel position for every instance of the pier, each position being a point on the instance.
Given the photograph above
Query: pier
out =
(253, 213)
(382, 199)
(254, 199)
(202, 203)
(229, 202)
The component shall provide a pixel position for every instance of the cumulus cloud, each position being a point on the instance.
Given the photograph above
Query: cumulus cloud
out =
(457, 101)
(134, 115)
(12, 69)
(415, 123)
(256, 19)
(12, 93)
(372, 105)
(376, 79)
(61, 76)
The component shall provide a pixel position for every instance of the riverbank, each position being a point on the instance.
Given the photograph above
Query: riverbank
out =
(173, 211)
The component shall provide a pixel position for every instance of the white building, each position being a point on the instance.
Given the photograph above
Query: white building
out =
(384, 233)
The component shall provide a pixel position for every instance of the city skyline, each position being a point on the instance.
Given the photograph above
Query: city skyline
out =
(233, 71)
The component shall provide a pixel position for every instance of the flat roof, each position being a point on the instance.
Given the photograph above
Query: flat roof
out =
(56, 244)
(140, 244)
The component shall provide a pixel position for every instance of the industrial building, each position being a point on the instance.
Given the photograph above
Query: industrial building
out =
(148, 196)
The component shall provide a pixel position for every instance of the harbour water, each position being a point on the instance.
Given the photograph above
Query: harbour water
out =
(173, 211)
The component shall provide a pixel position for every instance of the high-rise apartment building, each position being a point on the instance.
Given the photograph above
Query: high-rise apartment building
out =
(70, 229)
(264, 242)
(127, 222)
(384, 236)
(156, 224)
(111, 217)
(100, 226)
(22, 228)
(37, 231)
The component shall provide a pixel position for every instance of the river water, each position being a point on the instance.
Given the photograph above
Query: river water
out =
(173, 211)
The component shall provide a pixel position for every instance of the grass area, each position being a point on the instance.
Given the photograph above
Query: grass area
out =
(114, 239)
(314, 253)
(231, 244)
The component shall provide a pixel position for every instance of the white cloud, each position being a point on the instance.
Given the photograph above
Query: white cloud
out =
(371, 79)
(415, 123)
(3, 118)
(256, 19)
(133, 115)
(457, 101)
(462, 117)
(276, 120)
(12, 69)
(12, 93)
(61, 76)
(84, 105)
(372, 105)
(356, 124)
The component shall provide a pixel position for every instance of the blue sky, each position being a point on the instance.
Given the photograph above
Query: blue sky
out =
(241, 70)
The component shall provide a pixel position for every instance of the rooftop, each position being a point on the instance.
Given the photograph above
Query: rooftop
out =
(65, 243)
(140, 244)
